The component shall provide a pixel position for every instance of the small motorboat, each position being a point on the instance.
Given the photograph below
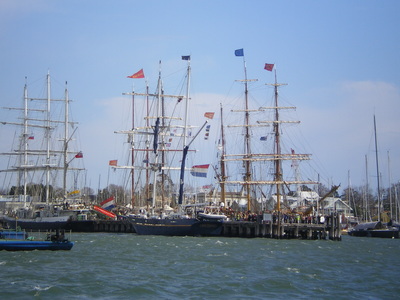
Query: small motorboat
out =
(53, 242)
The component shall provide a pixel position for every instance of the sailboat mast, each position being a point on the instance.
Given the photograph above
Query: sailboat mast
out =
(247, 163)
(147, 144)
(163, 152)
(48, 141)
(25, 141)
(65, 148)
(133, 152)
(186, 104)
(377, 172)
(278, 170)
(223, 173)
(185, 144)
(155, 142)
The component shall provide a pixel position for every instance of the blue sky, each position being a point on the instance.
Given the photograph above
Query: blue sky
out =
(339, 58)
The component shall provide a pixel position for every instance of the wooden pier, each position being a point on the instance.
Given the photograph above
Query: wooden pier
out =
(280, 230)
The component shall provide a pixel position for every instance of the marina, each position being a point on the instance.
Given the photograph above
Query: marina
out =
(245, 229)
(199, 150)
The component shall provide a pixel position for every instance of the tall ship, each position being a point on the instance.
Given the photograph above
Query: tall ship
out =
(40, 163)
(258, 171)
(159, 147)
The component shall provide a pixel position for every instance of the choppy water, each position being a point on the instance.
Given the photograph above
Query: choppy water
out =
(127, 266)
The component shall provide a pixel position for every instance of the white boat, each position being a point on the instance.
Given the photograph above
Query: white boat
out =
(40, 157)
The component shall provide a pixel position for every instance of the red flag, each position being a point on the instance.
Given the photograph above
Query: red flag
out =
(209, 115)
(113, 162)
(79, 155)
(138, 74)
(269, 67)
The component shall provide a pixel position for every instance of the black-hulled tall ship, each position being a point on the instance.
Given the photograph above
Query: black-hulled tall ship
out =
(163, 135)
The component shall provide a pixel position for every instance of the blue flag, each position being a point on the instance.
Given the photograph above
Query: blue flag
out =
(239, 52)
(186, 57)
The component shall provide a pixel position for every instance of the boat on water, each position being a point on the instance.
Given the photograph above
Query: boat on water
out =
(40, 157)
(380, 228)
(376, 229)
(168, 134)
(266, 170)
(53, 242)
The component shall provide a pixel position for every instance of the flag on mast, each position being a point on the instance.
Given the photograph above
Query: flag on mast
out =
(113, 162)
(138, 74)
(239, 52)
(199, 170)
(209, 115)
(269, 67)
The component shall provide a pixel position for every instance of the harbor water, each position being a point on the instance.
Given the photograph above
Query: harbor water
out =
(128, 266)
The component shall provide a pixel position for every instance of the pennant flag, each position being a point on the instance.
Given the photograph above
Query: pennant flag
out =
(31, 137)
(269, 67)
(199, 170)
(104, 212)
(263, 138)
(138, 74)
(79, 155)
(239, 52)
(108, 204)
(113, 162)
(187, 57)
(207, 132)
(209, 115)
(74, 192)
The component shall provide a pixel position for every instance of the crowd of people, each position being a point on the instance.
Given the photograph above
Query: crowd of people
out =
(272, 216)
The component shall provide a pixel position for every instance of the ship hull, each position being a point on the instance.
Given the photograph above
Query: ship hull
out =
(388, 233)
(42, 224)
(177, 227)
(25, 245)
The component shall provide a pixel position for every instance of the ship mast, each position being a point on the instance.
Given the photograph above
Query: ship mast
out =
(377, 172)
(222, 162)
(277, 148)
(247, 140)
(65, 154)
(133, 152)
(48, 131)
(147, 146)
(155, 141)
(25, 138)
(185, 145)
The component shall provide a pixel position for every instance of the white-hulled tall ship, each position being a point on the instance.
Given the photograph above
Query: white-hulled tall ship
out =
(40, 161)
